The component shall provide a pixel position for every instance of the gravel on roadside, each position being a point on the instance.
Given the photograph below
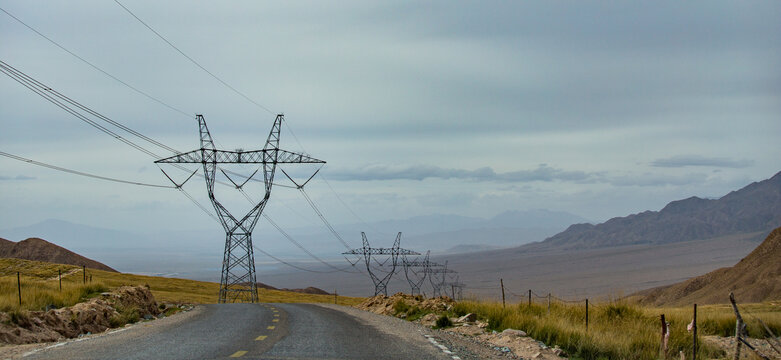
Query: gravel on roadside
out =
(462, 347)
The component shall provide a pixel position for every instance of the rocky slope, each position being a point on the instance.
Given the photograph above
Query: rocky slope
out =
(42, 250)
(93, 316)
(756, 278)
(756, 207)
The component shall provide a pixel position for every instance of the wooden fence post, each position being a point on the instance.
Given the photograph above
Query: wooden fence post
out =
(694, 334)
(738, 326)
(501, 282)
(59, 275)
(530, 297)
(84, 273)
(19, 287)
(662, 349)
(586, 314)
(548, 303)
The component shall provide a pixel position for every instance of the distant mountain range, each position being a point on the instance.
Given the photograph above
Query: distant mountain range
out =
(197, 254)
(41, 250)
(754, 208)
(756, 278)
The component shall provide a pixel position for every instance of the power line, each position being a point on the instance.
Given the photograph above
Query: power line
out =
(304, 249)
(95, 66)
(322, 217)
(45, 92)
(76, 172)
(345, 204)
(293, 265)
(193, 61)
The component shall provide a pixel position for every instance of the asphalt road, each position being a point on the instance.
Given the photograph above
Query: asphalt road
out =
(250, 331)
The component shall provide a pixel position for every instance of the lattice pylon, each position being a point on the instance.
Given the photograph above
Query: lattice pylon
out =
(415, 271)
(238, 280)
(380, 282)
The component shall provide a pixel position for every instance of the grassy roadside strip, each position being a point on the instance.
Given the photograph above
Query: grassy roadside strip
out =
(618, 330)
(40, 287)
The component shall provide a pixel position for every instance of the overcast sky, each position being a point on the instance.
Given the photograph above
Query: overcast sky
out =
(601, 109)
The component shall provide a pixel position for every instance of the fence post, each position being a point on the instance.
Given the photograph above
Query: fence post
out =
(501, 282)
(90, 278)
(335, 295)
(738, 326)
(84, 272)
(694, 334)
(586, 314)
(530, 297)
(59, 275)
(19, 287)
(662, 350)
(548, 303)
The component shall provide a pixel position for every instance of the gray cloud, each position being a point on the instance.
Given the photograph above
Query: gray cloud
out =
(420, 172)
(17, 177)
(543, 173)
(697, 160)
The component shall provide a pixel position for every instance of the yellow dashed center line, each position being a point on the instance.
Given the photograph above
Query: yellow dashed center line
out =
(271, 327)
(275, 320)
(276, 315)
(261, 337)
(238, 354)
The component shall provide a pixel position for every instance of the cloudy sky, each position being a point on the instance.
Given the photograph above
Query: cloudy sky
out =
(601, 109)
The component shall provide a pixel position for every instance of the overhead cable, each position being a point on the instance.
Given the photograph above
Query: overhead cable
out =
(75, 172)
(322, 217)
(193, 61)
(131, 87)
(45, 92)
(304, 249)
(290, 264)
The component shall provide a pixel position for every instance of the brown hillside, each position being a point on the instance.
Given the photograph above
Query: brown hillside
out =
(42, 250)
(756, 278)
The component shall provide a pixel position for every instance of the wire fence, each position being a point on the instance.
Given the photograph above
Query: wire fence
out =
(28, 287)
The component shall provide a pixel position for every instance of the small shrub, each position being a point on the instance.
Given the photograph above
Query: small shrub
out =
(443, 322)
(400, 307)
(125, 315)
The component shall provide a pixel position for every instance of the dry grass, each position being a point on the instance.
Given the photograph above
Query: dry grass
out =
(40, 287)
(618, 330)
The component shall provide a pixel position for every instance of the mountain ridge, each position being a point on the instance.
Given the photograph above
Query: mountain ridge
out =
(38, 249)
(755, 207)
(755, 278)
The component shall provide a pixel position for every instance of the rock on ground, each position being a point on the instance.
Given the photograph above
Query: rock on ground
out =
(383, 305)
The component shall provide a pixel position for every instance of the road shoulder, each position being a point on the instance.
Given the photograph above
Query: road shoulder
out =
(457, 346)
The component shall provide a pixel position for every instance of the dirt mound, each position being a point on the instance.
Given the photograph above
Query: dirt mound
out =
(128, 303)
(756, 278)
(384, 305)
(42, 250)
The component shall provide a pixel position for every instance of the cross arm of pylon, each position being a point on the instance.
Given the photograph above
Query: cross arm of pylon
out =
(267, 156)
(441, 271)
(380, 251)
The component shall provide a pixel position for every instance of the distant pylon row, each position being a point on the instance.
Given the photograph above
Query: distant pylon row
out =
(416, 270)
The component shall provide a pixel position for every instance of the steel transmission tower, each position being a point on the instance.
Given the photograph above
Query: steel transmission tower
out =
(416, 277)
(437, 277)
(456, 289)
(380, 283)
(238, 281)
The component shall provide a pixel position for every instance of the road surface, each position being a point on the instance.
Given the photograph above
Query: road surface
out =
(253, 331)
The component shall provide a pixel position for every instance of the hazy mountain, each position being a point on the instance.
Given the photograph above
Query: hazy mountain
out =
(754, 208)
(42, 250)
(198, 253)
(756, 278)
